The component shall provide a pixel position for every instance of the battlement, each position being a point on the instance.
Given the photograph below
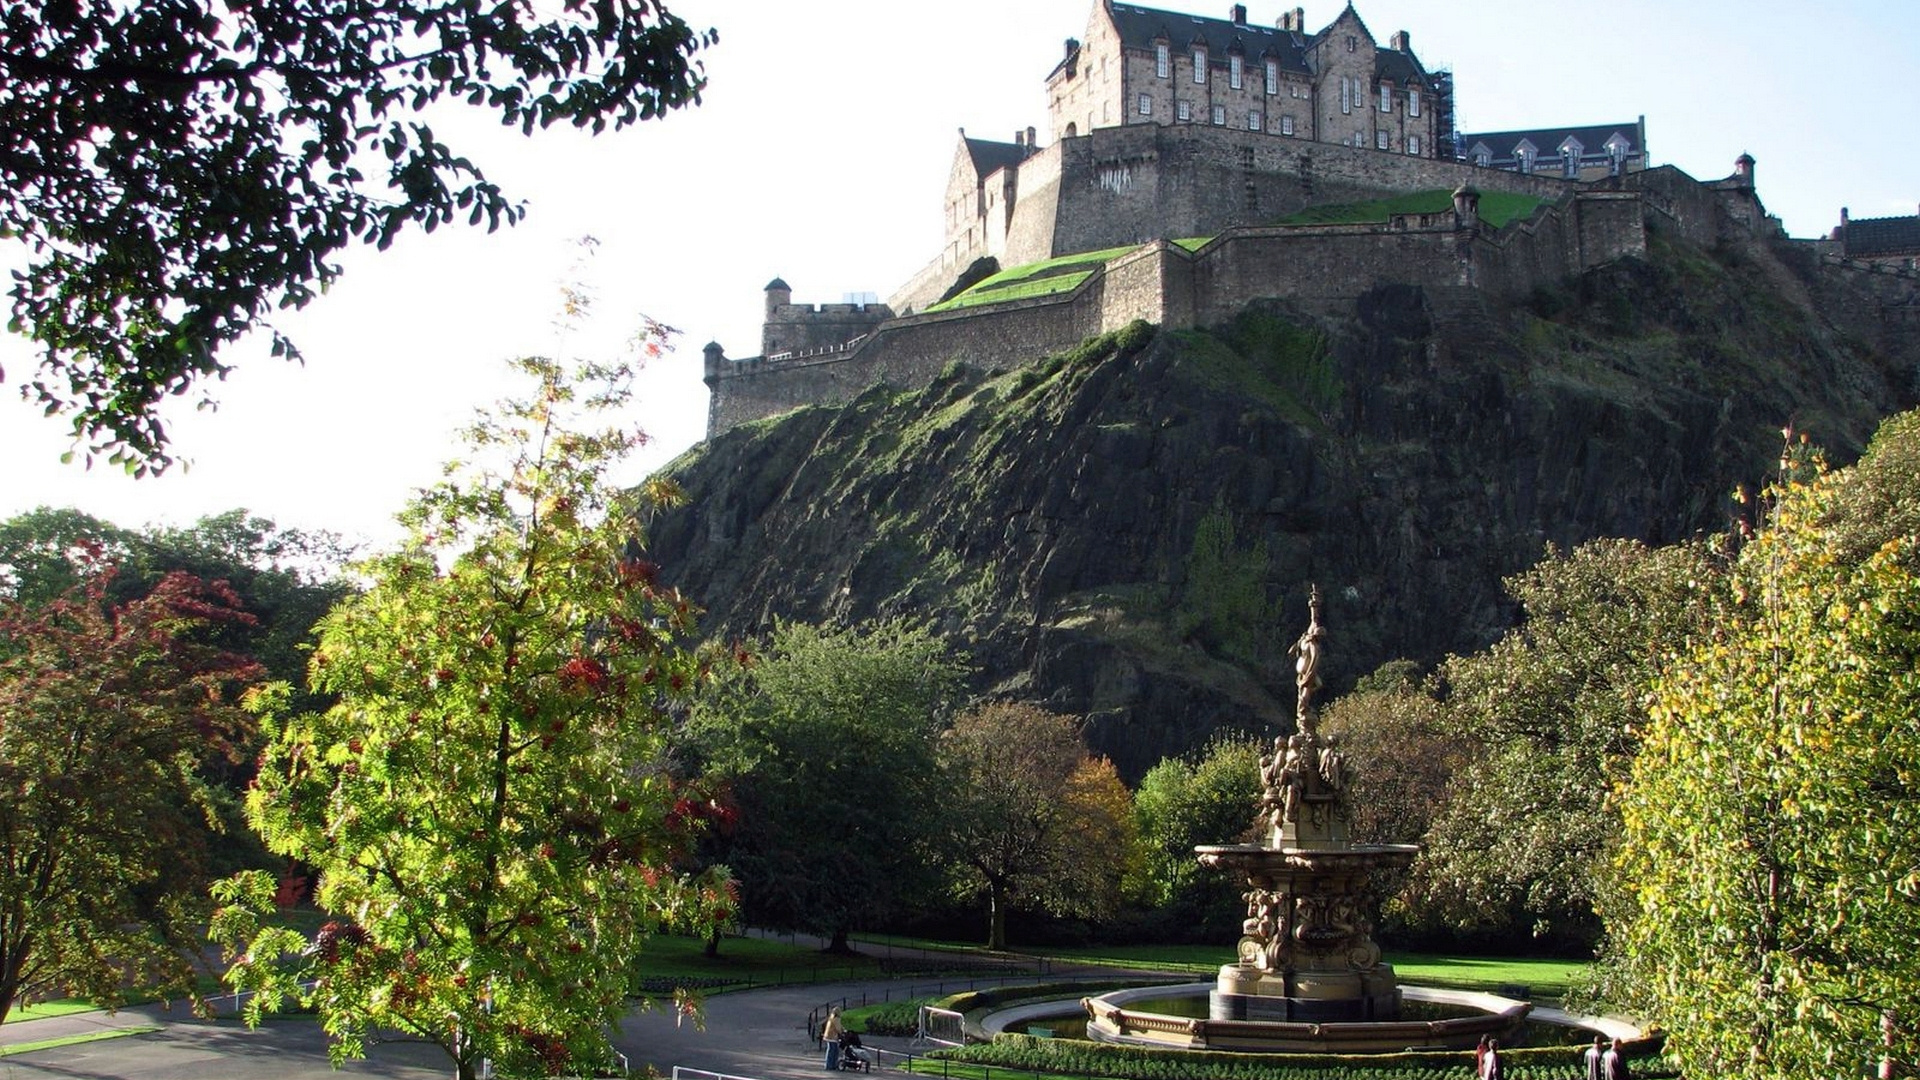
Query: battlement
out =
(1317, 267)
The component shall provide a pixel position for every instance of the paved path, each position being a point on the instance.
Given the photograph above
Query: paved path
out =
(756, 1033)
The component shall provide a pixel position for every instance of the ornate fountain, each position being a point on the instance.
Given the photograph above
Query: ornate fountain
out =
(1306, 950)
(1308, 974)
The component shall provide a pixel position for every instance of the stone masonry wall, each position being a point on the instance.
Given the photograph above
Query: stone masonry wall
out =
(1163, 283)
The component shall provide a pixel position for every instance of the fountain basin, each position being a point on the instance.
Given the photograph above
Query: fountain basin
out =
(1111, 1021)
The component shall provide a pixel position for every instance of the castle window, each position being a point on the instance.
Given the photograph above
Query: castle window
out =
(1346, 93)
(1220, 114)
(1386, 99)
(1199, 66)
(1525, 154)
(1413, 101)
(1286, 125)
(1380, 139)
(1253, 119)
(1183, 110)
(1146, 105)
(1352, 43)
(1162, 60)
(1233, 71)
(1273, 77)
(1572, 162)
(1483, 159)
(1413, 145)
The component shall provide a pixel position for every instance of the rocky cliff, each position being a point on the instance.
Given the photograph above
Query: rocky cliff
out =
(1128, 531)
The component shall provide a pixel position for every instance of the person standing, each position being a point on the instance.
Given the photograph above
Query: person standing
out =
(1596, 1064)
(1480, 1057)
(1614, 1064)
(830, 1034)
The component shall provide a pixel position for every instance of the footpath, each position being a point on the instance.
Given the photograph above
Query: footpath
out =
(760, 1034)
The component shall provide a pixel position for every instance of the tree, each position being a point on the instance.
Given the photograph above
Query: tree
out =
(488, 803)
(1545, 722)
(826, 742)
(46, 553)
(179, 170)
(107, 712)
(1183, 803)
(1011, 815)
(1772, 819)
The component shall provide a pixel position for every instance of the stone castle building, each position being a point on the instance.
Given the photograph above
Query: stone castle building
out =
(1888, 241)
(1211, 130)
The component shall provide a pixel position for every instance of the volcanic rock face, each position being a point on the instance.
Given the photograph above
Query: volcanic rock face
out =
(1123, 532)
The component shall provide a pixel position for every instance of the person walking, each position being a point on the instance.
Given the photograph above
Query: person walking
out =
(1490, 1065)
(1596, 1055)
(830, 1034)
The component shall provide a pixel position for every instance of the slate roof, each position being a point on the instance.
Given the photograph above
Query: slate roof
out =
(1547, 141)
(1139, 27)
(990, 157)
(1882, 236)
(1399, 67)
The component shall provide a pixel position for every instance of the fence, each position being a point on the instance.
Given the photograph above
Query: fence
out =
(941, 1026)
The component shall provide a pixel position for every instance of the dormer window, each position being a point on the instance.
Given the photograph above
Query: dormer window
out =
(1273, 77)
(1234, 73)
(1413, 101)
(1199, 65)
(1386, 99)
(1525, 155)
(1162, 60)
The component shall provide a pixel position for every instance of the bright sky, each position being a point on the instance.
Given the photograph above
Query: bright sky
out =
(821, 155)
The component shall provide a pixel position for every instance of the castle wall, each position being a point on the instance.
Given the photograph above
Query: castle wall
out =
(811, 327)
(1128, 185)
(1163, 283)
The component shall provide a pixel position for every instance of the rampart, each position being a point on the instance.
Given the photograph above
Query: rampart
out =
(1161, 282)
(1129, 185)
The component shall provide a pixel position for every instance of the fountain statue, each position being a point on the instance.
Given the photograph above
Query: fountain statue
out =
(1308, 975)
(1306, 951)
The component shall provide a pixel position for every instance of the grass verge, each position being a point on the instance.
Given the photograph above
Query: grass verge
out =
(9, 1049)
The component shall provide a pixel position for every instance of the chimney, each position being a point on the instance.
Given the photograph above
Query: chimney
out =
(1073, 46)
(1398, 42)
(1238, 13)
(1033, 141)
(1019, 137)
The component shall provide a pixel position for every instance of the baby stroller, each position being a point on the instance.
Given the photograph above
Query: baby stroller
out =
(853, 1056)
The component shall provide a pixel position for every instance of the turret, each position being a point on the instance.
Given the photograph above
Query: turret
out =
(1466, 207)
(779, 294)
(716, 359)
(1743, 170)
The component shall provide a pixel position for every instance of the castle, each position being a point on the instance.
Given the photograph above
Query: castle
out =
(1180, 126)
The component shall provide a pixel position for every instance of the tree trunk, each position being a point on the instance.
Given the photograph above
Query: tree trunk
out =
(997, 917)
(713, 943)
(837, 944)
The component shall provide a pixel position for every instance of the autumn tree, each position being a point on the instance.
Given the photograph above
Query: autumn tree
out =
(107, 713)
(1023, 820)
(488, 804)
(1772, 818)
(825, 739)
(177, 171)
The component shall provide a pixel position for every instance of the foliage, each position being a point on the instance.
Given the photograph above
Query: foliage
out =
(1014, 830)
(1773, 817)
(46, 553)
(1545, 720)
(1224, 603)
(1072, 1057)
(488, 803)
(178, 170)
(1392, 729)
(1180, 804)
(826, 741)
(107, 712)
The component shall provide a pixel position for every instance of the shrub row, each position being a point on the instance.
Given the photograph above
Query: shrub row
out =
(1077, 1058)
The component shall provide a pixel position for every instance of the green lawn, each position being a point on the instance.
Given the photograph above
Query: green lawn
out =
(742, 962)
(1497, 208)
(45, 1009)
(1544, 978)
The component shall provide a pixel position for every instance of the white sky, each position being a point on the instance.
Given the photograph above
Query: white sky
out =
(821, 154)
